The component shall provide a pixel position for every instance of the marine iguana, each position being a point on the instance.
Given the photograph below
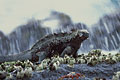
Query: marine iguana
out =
(49, 45)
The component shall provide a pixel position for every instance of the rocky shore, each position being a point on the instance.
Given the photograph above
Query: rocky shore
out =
(100, 70)
(92, 66)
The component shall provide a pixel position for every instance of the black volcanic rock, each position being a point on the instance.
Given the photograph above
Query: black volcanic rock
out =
(100, 70)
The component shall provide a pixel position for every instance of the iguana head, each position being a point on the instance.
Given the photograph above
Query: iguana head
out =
(81, 34)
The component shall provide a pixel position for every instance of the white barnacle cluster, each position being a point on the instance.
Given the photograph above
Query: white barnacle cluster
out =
(23, 69)
(43, 65)
(51, 64)
(96, 56)
(81, 59)
(116, 76)
(110, 59)
(20, 74)
(26, 71)
(19, 69)
(91, 59)
(54, 65)
(39, 68)
(28, 63)
(66, 59)
(117, 57)
(9, 76)
(55, 62)
(71, 62)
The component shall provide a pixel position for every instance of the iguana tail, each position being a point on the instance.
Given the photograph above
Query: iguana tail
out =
(26, 55)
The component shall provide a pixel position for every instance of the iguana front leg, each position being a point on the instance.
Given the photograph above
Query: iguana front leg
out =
(68, 50)
(42, 55)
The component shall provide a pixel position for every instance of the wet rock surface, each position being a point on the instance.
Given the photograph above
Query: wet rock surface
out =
(99, 70)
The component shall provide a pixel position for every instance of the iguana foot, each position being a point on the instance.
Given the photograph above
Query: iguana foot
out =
(67, 50)
(42, 56)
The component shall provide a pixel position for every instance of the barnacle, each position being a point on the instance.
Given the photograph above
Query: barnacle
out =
(39, 67)
(28, 63)
(18, 68)
(3, 75)
(25, 68)
(28, 72)
(110, 61)
(10, 69)
(1, 68)
(96, 52)
(18, 63)
(116, 76)
(118, 57)
(54, 65)
(54, 59)
(80, 60)
(101, 58)
(20, 75)
(61, 60)
(44, 64)
(9, 76)
(58, 63)
(115, 58)
(71, 62)
(66, 59)
(93, 61)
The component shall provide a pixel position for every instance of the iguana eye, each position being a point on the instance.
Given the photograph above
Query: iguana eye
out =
(80, 34)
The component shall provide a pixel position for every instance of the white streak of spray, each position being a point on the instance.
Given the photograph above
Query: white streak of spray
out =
(118, 35)
(114, 39)
(106, 42)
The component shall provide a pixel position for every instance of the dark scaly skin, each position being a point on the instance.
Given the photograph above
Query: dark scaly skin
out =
(62, 43)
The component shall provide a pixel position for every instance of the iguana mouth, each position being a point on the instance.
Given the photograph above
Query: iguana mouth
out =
(85, 36)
